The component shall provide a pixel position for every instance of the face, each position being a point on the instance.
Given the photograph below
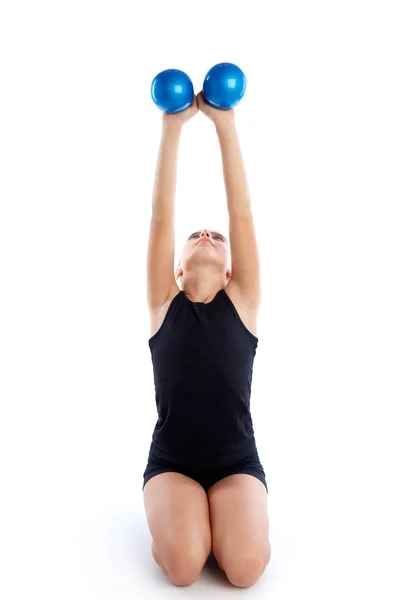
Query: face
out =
(205, 246)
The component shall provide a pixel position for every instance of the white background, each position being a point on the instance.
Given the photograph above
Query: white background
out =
(319, 128)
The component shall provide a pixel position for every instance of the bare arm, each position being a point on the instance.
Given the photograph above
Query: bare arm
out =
(164, 188)
(242, 236)
(237, 192)
(161, 244)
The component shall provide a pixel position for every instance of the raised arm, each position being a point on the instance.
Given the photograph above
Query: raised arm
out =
(161, 244)
(243, 243)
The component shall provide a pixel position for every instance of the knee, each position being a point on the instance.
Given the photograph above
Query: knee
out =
(183, 567)
(246, 573)
(246, 570)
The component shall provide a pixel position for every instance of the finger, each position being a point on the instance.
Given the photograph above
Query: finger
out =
(200, 98)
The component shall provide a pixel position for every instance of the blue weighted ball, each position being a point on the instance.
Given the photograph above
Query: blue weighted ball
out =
(172, 91)
(224, 86)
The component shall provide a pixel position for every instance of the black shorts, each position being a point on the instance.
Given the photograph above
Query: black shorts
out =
(249, 464)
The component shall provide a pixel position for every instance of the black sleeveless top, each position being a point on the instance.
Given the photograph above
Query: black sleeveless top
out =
(203, 364)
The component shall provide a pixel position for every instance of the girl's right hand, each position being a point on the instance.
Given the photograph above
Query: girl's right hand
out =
(182, 117)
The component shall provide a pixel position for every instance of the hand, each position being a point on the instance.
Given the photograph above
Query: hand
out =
(182, 117)
(218, 116)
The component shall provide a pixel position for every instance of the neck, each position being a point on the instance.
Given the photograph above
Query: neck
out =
(202, 286)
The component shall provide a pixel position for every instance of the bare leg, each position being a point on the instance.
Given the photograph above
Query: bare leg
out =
(179, 522)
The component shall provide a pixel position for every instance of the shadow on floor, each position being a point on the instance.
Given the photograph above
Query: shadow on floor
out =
(212, 569)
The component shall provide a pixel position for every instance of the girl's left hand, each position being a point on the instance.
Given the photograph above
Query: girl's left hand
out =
(218, 116)
(182, 117)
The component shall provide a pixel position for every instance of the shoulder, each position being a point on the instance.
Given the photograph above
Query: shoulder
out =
(157, 315)
(247, 312)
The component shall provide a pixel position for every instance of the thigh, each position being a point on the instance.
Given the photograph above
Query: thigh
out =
(240, 527)
(178, 518)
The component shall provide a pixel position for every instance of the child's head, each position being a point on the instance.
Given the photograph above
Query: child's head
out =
(213, 254)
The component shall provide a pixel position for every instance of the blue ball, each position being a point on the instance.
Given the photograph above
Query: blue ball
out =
(172, 91)
(224, 86)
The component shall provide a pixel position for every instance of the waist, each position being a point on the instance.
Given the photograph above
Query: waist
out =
(190, 454)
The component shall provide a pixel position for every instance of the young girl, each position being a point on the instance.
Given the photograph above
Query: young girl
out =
(204, 486)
